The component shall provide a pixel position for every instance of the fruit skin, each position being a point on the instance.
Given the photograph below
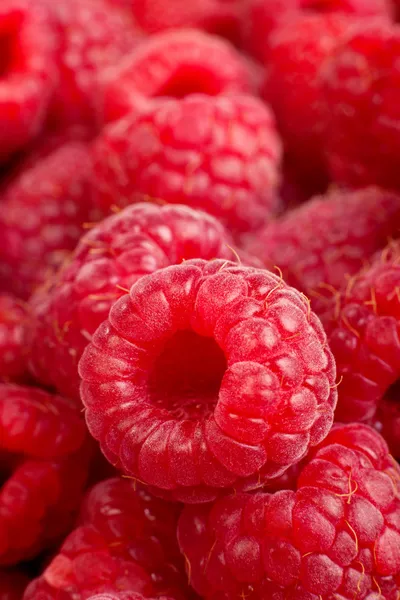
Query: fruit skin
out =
(107, 261)
(174, 64)
(45, 455)
(14, 322)
(125, 540)
(258, 391)
(361, 83)
(337, 536)
(322, 243)
(28, 72)
(362, 326)
(297, 52)
(218, 154)
(43, 209)
(12, 584)
(92, 36)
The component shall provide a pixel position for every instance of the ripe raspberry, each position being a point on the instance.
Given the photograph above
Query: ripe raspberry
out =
(92, 37)
(12, 584)
(27, 49)
(361, 83)
(174, 64)
(122, 596)
(126, 541)
(219, 17)
(219, 154)
(297, 52)
(322, 243)
(13, 339)
(168, 378)
(43, 210)
(336, 537)
(44, 458)
(362, 324)
(108, 260)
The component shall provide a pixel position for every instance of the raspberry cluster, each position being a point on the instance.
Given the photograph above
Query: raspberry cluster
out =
(199, 300)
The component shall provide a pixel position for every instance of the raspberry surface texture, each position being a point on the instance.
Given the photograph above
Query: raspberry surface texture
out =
(360, 8)
(218, 154)
(362, 324)
(174, 64)
(126, 541)
(27, 72)
(337, 536)
(108, 260)
(92, 36)
(12, 584)
(44, 457)
(208, 376)
(361, 82)
(43, 210)
(297, 52)
(322, 243)
(14, 321)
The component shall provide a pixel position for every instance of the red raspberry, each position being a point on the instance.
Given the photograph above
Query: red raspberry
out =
(122, 596)
(27, 72)
(93, 36)
(44, 458)
(13, 339)
(126, 541)
(363, 329)
(361, 8)
(43, 210)
(108, 260)
(220, 17)
(361, 82)
(297, 52)
(168, 379)
(322, 243)
(219, 154)
(12, 585)
(336, 537)
(174, 64)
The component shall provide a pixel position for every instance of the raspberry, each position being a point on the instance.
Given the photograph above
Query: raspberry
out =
(27, 71)
(44, 458)
(13, 339)
(12, 585)
(92, 37)
(361, 84)
(43, 210)
(174, 64)
(168, 379)
(361, 8)
(108, 260)
(362, 324)
(122, 596)
(126, 541)
(219, 17)
(219, 154)
(322, 243)
(337, 536)
(297, 52)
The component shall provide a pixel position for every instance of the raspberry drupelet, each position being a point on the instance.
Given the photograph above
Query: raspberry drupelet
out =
(219, 154)
(108, 260)
(125, 542)
(44, 456)
(14, 321)
(27, 72)
(362, 323)
(361, 83)
(43, 210)
(208, 376)
(12, 584)
(92, 36)
(336, 537)
(323, 242)
(174, 64)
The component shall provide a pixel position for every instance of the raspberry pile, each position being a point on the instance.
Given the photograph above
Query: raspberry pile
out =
(199, 300)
